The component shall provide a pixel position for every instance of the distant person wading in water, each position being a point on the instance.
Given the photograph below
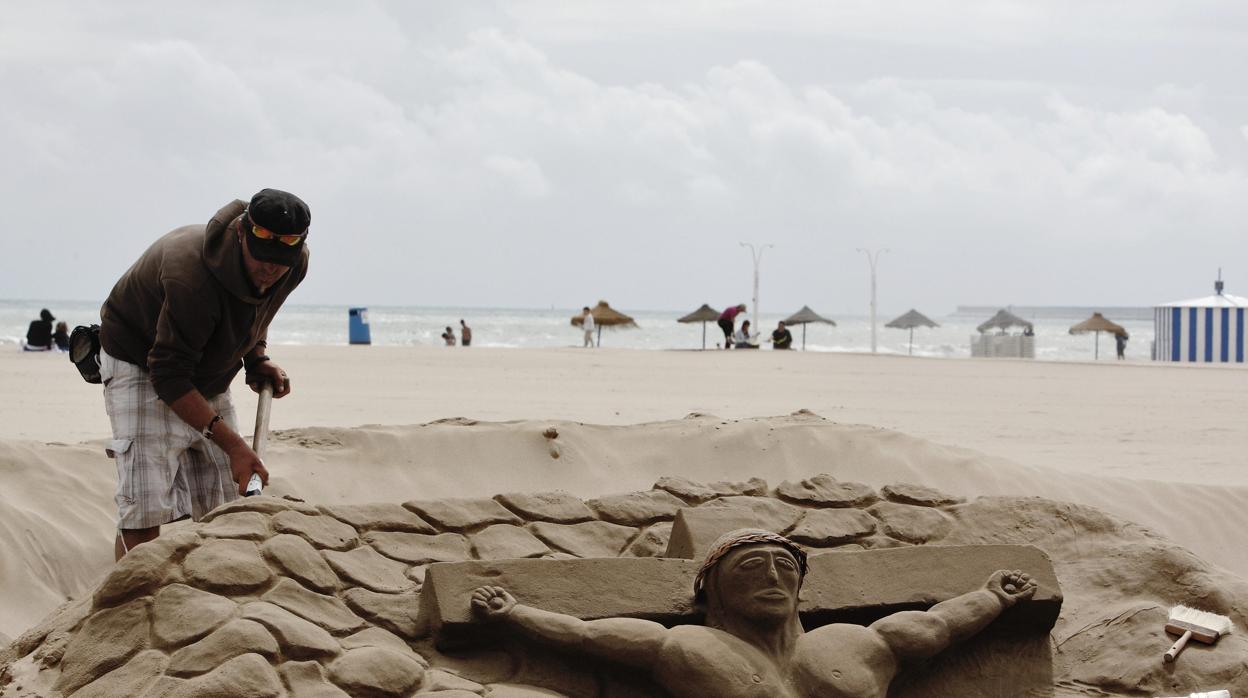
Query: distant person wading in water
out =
(465, 334)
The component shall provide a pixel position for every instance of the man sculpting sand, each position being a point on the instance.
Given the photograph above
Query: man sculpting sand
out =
(176, 329)
(753, 645)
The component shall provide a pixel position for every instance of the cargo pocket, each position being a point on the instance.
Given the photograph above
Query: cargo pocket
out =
(122, 451)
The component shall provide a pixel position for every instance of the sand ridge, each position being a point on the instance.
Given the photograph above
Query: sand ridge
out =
(463, 457)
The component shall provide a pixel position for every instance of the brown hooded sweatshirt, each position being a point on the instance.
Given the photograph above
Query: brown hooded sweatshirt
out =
(187, 310)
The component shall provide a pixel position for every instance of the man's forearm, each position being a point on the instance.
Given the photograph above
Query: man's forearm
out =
(626, 640)
(969, 613)
(194, 409)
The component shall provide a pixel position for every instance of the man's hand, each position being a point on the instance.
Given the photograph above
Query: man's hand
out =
(244, 462)
(267, 371)
(1010, 586)
(492, 603)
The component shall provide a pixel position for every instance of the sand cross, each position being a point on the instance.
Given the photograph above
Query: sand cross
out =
(840, 586)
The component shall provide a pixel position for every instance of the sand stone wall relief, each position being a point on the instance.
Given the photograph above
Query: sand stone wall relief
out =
(273, 597)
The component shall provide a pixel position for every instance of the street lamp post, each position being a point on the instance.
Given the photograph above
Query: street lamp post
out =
(873, 257)
(757, 255)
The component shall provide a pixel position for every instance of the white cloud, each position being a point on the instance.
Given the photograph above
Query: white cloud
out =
(524, 176)
(475, 144)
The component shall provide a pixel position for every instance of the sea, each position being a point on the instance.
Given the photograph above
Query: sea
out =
(656, 330)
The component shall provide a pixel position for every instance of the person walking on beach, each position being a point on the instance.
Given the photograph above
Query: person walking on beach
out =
(39, 334)
(175, 330)
(727, 322)
(1121, 341)
(465, 334)
(587, 324)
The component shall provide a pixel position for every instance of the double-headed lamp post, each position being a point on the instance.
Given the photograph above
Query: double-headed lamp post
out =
(873, 257)
(757, 255)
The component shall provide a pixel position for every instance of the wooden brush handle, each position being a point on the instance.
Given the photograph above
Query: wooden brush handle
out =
(1178, 646)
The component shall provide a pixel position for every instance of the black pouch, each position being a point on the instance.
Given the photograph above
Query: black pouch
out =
(84, 351)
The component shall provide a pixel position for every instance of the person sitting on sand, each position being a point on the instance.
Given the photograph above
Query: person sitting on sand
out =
(449, 337)
(61, 336)
(743, 339)
(175, 330)
(39, 335)
(753, 645)
(781, 338)
(465, 334)
(727, 322)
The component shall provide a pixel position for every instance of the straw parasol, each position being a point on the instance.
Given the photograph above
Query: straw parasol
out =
(804, 317)
(605, 316)
(909, 321)
(703, 315)
(1098, 324)
(1004, 320)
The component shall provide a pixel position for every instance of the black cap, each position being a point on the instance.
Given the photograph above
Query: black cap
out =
(281, 213)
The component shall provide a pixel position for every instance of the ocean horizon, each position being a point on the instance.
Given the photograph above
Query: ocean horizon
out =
(306, 324)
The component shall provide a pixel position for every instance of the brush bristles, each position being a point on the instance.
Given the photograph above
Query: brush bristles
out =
(1212, 621)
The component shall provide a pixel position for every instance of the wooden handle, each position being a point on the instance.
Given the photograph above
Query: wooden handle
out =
(1178, 646)
(261, 437)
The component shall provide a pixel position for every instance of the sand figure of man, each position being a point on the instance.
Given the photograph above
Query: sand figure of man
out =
(753, 644)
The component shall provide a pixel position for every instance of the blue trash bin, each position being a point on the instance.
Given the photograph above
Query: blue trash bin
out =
(358, 326)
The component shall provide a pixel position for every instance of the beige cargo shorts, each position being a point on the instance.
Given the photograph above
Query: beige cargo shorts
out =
(166, 470)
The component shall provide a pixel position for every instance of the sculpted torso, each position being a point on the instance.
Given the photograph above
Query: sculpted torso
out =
(835, 661)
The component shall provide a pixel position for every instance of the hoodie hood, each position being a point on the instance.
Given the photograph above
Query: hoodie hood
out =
(223, 254)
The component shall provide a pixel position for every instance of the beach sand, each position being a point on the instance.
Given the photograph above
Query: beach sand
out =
(1157, 446)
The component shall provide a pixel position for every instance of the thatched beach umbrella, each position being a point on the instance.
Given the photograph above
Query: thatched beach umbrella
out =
(804, 317)
(1004, 320)
(605, 316)
(909, 321)
(703, 315)
(1097, 324)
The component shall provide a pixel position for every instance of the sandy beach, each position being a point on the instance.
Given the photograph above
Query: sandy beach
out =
(1160, 446)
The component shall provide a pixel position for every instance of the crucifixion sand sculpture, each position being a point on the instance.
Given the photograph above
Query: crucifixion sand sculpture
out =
(271, 597)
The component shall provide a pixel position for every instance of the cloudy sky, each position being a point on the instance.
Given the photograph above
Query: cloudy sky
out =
(530, 154)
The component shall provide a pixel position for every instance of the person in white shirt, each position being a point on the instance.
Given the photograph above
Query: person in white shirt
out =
(743, 339)
(587, 324)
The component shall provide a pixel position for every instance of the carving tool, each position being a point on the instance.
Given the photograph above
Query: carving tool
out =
(261, 437)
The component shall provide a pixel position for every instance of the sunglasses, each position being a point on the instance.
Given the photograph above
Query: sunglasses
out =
(265, 234)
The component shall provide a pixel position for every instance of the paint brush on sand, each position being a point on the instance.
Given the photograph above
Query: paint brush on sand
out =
(1191, 624)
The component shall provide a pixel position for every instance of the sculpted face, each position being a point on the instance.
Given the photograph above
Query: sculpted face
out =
(758, 582)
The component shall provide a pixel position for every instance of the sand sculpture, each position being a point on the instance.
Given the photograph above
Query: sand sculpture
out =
(272, 597)
(753, 643)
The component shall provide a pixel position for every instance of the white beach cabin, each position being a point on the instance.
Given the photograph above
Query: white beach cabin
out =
(1202, 330)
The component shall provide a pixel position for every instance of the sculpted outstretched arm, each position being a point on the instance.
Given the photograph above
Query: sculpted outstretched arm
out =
(921, 634)
(626, 640)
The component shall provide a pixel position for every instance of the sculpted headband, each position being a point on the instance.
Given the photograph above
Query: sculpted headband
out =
(738, 538)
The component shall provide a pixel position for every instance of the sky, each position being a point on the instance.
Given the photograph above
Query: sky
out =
(532, 154)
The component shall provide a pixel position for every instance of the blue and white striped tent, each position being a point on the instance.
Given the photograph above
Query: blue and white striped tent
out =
(1202, 330)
